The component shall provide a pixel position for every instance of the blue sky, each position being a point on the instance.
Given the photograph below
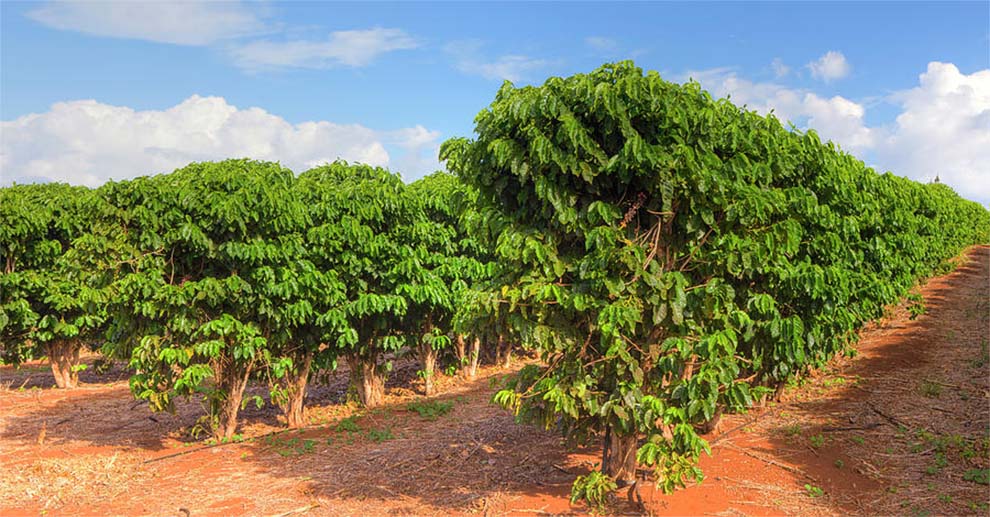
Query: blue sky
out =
(98, 90)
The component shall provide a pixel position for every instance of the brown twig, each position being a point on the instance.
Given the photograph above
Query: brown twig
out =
(889, 418)
(752, 421)
(770, 461)
(851, 428)
(301, 509)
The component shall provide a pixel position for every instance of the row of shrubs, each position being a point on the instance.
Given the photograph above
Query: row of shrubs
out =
(670, 257)
(222, 273)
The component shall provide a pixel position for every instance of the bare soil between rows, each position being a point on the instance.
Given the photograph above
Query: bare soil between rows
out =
(893, 430)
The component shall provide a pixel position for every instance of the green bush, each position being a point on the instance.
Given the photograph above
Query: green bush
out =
(672, 255)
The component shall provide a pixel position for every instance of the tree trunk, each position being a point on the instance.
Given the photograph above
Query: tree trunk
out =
(503, 352)
(778, 391)
(470, 367)
(711, 424)
(428, 356)
(366, 380)
(460, 349)
(619, 458)
(63, 356)
(233, 381)
(295, 389)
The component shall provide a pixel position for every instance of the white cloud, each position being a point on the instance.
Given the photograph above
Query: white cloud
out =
(786, 103)
(180, 23)
(779, 68)
(87, 142)
(601, 43)
(414, 137)
(837, 118)
(422, 148)
(224, 25)
(944, 130)
(349, 48)
(832, 65)
(512, 67)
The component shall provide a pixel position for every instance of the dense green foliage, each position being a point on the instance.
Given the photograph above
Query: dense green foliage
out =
(208, 292)
(670, 254)
(220, 273)
(52, 299)
(441, 267)
(364, 225)
(460, 256)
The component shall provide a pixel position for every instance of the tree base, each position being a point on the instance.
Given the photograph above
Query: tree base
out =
(295, 388)
(227, 404)
(469, 366)
(64, 357)
(503, 353)
(620, 458)
(428, 356)
(366, 381)
(712, 424)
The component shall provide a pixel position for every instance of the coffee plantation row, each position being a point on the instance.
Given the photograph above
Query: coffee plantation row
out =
(669, 256)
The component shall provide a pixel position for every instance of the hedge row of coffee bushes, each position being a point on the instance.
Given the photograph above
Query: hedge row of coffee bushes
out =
(671, 256)
(220, 273)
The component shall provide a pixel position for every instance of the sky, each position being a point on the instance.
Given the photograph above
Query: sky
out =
(91, 91)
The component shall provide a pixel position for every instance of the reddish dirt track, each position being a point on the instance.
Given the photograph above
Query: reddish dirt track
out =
(893, 430)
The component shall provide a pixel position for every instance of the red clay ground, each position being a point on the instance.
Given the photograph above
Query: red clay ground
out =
(895, 430)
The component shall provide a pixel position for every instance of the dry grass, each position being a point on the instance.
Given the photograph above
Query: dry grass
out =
(84, 479)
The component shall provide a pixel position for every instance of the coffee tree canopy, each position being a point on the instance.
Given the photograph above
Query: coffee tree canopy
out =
(670, 254)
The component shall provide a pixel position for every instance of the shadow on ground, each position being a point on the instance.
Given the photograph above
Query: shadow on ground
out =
(390, 457)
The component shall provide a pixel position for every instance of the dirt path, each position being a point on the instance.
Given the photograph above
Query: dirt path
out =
(896, 429)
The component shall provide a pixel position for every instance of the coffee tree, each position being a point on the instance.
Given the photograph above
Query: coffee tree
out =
(670, 255)
(212, 282)
(479, 314)
(364, 229)
(52, 297)
(456, 264)
(295, 295)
